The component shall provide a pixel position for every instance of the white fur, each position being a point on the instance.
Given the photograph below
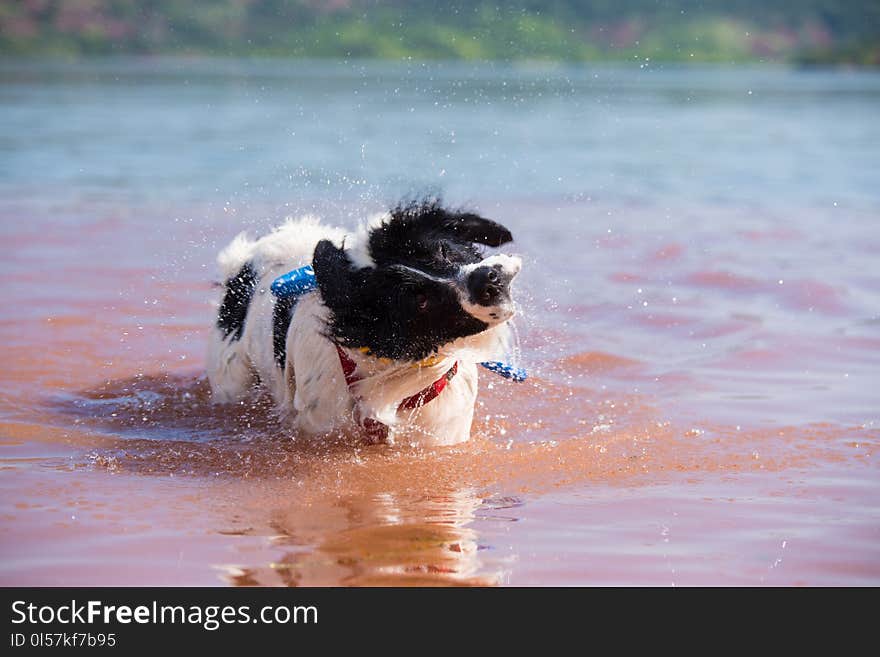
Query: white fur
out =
(359, 249)
(310, 391)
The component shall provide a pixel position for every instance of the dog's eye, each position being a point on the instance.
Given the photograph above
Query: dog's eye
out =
(422, 301)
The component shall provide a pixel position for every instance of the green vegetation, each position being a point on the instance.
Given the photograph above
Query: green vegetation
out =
(808, 31)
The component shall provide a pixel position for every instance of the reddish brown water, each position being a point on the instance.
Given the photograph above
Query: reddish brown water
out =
(604, 468)
(699, 316)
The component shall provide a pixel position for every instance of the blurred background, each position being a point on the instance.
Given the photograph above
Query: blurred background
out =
(593, 30)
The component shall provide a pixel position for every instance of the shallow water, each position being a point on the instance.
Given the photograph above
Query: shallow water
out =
(699, 316)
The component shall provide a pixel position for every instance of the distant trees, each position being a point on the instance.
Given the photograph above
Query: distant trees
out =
(691, 30)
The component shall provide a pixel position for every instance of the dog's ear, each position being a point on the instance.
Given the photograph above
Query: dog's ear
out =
(470, 227)
(333, 273)
(430, 214)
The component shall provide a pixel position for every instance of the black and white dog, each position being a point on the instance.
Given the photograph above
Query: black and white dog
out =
(389, 343)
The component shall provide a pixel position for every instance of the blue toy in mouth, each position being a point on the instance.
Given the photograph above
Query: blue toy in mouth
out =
(300, 281)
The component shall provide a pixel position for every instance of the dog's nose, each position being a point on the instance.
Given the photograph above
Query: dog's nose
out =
(486, 285)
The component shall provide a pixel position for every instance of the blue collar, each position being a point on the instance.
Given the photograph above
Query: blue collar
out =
(298, 282)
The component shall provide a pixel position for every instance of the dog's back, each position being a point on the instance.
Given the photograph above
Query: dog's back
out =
(248, 341)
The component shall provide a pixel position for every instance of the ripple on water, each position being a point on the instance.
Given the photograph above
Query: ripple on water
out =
(582, 435)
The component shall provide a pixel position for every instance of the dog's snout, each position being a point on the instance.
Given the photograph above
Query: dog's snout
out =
(487, 284)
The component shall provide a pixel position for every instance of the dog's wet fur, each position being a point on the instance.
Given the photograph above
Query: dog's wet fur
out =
(410, 284)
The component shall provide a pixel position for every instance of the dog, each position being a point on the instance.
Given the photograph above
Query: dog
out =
(388, 344)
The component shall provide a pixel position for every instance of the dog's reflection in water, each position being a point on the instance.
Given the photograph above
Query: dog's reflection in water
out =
(382, 540)
(347, 516)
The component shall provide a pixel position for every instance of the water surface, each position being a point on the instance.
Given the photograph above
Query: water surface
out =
(699, 315)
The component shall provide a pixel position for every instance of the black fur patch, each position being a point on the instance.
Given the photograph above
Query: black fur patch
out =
(233, 311)
(391, 309)
(425, 235)
(282, 313)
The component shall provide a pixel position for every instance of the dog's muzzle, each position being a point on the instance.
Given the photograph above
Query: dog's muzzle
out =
(488, 285)
(487, 288)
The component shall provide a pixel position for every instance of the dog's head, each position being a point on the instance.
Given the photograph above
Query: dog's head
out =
(416, 281)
